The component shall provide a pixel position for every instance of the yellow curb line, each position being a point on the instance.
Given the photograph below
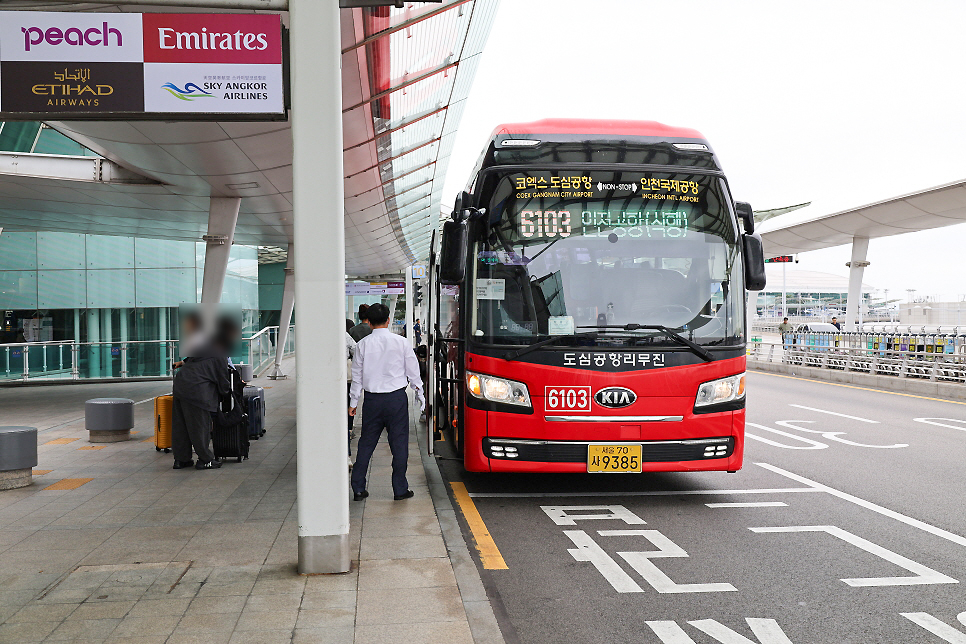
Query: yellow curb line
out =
(489, 554)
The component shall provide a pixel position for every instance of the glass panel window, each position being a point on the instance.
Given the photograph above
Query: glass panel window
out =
(18, 289)
(62, 289)
(60, 250)
(106, 251)
(18, 251)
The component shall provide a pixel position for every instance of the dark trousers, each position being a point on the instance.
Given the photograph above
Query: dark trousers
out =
(390, 412)
(190, 427)
(352, 419)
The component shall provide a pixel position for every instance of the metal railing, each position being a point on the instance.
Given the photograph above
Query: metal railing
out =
(145, 359)
(261, 347)
(930, 356)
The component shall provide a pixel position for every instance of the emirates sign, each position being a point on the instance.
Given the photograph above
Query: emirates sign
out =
(140, 66)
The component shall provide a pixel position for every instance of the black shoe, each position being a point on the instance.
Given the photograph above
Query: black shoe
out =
(183, 464)
(408, 494)
(359, 496)
(210, 465)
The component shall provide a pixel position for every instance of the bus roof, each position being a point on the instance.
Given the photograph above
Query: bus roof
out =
(609, 127)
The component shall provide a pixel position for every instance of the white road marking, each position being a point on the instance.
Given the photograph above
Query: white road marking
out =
(559, 514)
(588, 550)
(749, 504)
(923, 575)
(766, 630)
(938, 628)
(144, 401)
(811, 444)
(892, 514)
(641, 562)
(834, 413)
(832, 436)
(669, 632)
(932, 421)
(551, 495)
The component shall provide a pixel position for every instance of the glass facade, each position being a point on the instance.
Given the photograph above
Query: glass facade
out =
(93, 288)
(38, 138)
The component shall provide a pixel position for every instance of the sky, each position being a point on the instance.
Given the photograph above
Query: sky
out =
(839, 103)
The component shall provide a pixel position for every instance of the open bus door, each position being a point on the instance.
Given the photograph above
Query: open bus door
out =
(433, 316)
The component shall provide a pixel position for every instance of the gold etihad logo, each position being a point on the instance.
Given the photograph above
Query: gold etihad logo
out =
(72, 88)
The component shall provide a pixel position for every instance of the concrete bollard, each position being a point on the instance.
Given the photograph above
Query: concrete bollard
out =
(109, 420)
(18, 456)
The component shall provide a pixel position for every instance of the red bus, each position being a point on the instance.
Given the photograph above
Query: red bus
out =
(588, 309)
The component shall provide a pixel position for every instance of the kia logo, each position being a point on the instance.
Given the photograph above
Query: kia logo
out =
(614, 397)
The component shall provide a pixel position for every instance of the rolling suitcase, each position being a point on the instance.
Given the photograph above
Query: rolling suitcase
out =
(229, 430)
(230, 441)
(162, 423)
(255, 407)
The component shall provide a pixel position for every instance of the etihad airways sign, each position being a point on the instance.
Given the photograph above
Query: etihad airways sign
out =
(140, 66)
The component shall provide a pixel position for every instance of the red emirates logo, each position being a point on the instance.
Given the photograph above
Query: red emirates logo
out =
(212, 38)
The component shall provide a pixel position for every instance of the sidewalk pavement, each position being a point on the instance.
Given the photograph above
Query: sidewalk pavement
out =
(111, 545)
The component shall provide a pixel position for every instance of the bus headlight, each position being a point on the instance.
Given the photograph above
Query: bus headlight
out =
(499, 390)
(721, 391)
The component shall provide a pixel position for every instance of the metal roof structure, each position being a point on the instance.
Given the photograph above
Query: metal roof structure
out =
(933, 208)
(406, 74)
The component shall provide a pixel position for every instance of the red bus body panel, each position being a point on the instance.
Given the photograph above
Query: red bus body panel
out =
(660, 392)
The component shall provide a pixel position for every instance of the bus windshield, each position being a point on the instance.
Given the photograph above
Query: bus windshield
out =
(568, 252)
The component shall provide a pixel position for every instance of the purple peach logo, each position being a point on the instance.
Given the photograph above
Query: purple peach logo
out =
(75, 37)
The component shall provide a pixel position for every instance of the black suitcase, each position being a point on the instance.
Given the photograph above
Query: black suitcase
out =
(229, 432)
(230, 441)
(255, 407)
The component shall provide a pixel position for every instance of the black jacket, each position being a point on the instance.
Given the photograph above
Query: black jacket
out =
(202, 382)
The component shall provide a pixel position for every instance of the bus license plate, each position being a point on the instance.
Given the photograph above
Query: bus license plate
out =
(614, 458)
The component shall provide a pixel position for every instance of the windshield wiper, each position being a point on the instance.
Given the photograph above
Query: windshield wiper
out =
(700, 351)
(522, 351)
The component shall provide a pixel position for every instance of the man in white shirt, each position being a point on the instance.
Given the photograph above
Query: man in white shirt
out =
(382, 365)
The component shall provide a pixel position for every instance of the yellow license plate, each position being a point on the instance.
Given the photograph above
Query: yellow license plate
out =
(614, 458)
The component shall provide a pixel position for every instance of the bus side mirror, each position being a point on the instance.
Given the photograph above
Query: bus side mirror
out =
(452, 256)
(746, 215)
(754, 262)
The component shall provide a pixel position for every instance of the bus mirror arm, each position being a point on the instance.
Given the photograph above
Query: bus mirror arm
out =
(747, 215)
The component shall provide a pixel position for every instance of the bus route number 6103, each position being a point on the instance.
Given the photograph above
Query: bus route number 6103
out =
(571, 399)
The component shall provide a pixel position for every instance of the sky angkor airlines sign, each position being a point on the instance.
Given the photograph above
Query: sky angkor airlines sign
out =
(146, 66)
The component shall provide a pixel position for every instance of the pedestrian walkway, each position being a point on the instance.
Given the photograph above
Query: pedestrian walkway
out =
(111, 545)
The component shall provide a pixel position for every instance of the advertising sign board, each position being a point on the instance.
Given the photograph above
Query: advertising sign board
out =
(130, 66)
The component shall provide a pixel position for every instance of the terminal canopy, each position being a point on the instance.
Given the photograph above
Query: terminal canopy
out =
(406, 74)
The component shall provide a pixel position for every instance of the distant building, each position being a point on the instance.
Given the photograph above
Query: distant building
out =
(806, 292)
(933, 313)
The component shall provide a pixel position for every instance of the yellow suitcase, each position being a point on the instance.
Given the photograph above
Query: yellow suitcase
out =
(162, 423)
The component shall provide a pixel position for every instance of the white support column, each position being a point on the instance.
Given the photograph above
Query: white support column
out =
(107, 334)
(410, 305)
(393, 301)
(93, 350)
(319, 221)
(285, 317)
(222, 216)
(860, 249)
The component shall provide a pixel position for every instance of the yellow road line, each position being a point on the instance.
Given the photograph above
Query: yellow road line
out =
(93, 447)
(489, 553)
(61, 441)
(68, 484)
(41, 472)
(839, 384)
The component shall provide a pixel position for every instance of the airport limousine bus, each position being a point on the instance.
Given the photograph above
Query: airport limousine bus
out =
(588, 309)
